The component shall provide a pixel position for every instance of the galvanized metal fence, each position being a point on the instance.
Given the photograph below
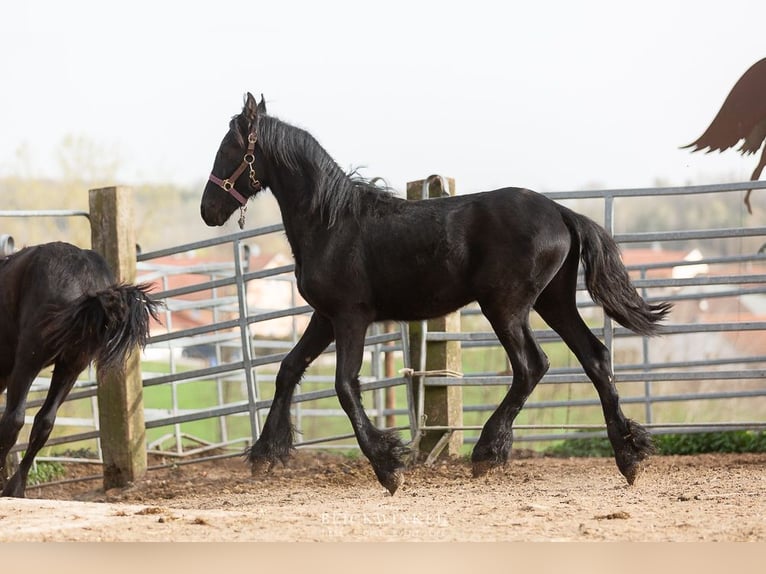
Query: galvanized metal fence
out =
(209, 370)
(243, 364)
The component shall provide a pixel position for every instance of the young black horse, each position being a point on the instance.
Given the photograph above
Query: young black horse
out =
(60, 306)
(363, 255)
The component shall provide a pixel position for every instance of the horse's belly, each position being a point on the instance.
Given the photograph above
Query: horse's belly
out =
(416, 301)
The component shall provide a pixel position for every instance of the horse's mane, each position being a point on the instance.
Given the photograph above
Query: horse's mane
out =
(334, 191)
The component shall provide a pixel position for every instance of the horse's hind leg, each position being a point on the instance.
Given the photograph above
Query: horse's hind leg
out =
(12, 419)
(276, 440)
(64, 377)
(529, 364)
(557, 306)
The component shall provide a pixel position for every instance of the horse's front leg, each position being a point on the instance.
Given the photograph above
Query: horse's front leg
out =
(383, 449)
(276, 440)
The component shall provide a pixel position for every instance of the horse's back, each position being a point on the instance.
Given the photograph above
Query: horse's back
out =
(510, 213)
(514, 235)
(460, 248)
(518, 212)
(504, 225)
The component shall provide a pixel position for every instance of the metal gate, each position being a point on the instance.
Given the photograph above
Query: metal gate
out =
(209, 370)
(707, 372)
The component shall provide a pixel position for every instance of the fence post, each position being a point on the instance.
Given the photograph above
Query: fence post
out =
(120, 394)
(443, 405)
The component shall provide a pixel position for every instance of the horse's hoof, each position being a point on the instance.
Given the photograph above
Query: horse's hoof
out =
(260, 466)
(393, 481)
(481, 468)
(633, 472)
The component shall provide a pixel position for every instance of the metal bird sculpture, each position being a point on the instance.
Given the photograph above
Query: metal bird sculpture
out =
(741, 117)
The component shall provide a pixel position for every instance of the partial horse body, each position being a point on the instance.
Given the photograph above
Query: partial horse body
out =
(60, 306)
(364, 255)
(742, 117)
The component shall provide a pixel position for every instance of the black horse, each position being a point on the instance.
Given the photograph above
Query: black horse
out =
(364, 255)
(60, 306)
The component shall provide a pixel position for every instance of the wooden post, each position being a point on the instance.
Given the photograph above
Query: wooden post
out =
(442, 405)
(389, 373)
(120, 394)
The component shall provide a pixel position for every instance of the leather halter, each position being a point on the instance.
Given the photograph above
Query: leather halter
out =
(247, 162)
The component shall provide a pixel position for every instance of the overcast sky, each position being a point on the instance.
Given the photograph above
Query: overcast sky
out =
(546, 95)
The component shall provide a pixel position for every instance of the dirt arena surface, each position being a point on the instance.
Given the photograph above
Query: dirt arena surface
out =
(326, 497)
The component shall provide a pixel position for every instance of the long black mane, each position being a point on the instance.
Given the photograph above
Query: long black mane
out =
(334, 192)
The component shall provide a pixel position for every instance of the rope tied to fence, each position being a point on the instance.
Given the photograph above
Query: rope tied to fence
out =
(408, 372)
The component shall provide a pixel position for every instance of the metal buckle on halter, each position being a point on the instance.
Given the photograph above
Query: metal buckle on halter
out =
(227, 185)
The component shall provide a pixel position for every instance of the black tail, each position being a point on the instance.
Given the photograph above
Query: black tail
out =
(106, 324)
(607, 279)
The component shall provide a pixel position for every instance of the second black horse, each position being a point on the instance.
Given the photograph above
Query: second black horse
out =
(60, 306)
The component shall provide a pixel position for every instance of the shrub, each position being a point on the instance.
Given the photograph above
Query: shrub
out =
(667, 444)
(45, 472)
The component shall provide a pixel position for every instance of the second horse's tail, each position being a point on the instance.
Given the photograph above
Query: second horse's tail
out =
(106, 324)
(607, 279)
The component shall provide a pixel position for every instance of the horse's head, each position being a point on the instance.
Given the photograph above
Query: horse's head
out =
(233, 179)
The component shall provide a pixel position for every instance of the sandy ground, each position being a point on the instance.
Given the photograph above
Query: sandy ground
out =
(325, 497)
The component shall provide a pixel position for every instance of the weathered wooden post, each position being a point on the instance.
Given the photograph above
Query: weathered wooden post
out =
(120, 394)
(389, 372)
(443, 405)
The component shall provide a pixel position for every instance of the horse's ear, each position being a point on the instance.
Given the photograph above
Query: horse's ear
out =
(261, 109)
(250, 109)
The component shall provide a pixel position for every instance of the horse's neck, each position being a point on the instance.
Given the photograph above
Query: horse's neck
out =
(293, 195)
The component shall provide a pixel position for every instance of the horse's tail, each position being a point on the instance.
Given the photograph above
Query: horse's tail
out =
(105, 325)
(607, 279)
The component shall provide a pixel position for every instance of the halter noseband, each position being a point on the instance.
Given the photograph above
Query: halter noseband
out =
(228, 184)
